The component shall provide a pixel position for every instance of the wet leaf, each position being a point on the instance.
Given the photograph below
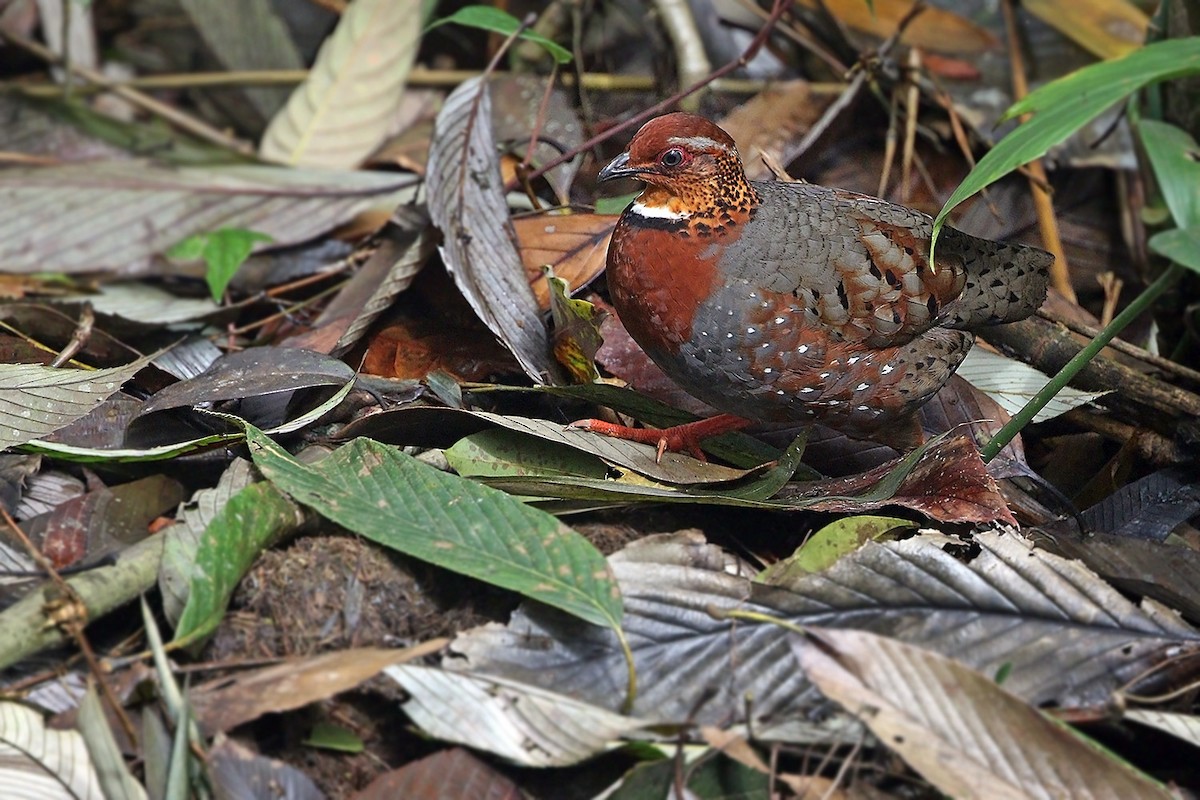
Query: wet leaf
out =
(35, 401)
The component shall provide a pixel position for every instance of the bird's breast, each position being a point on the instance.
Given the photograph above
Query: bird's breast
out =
(659, 277)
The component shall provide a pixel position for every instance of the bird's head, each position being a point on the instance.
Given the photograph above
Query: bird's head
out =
(691, 165)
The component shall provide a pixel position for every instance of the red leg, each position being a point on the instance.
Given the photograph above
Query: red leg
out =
(684, 438)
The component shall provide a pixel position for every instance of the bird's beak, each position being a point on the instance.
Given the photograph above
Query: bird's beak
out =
(618, 168)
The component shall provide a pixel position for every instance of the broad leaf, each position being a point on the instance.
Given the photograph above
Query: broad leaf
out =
(963, 733)
(530, 726)
(36, 401)
(1060, 108)
(118, 215)
(1012, 384)
(498, 21)
(1070, 638)
(393, 499)
(344, 108)
(466, 201)
(1173, 156)
(250, 522)
(37, 761)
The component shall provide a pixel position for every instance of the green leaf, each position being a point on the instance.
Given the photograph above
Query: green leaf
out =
(501, 453)
(1173, 153)
(226, 251)
(190, 249)
(250, 522)
(829, 544)
(328, 736)
(1064, 106)
(497, 21)
(615, 205)
(223, 252)
(393, 499)
(1181, 245)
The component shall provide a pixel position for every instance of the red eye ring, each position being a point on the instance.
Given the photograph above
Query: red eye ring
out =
(674, 157)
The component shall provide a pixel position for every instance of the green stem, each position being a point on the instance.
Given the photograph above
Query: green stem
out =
(1081, 359)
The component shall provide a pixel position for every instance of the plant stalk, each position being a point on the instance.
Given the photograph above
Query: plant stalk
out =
(1081, 359)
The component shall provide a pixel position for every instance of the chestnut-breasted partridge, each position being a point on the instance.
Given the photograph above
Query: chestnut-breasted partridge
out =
(791, 302)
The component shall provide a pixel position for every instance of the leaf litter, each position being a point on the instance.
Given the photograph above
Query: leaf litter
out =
(411, 484)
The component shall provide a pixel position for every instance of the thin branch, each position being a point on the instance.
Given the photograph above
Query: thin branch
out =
(750, 52)
(176, 117)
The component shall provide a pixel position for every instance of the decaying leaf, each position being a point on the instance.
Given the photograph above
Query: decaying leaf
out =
(967, 736)
(117, 216)
(574, 245)
(466, 201)
(935, 28)
(1066, 637)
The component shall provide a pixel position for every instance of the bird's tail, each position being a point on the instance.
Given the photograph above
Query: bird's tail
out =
(1005, 282)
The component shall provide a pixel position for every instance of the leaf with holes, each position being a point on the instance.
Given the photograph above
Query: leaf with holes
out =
(395, 500)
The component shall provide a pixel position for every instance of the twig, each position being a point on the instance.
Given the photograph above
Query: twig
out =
(1060, 275)
(751, 50)
(912, 109)
(1128, 348)
(70, 615)
(419, 76)
(173, 115)
(850, 93)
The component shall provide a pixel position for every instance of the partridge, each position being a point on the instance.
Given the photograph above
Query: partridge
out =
(792, 302)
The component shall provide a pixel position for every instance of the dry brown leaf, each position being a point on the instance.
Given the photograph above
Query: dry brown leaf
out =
(771, 121)
(950, 483)
(1106, 28)
(412, 348)
(935, 29)
(575, 245)
(965, 734)
(452, 774)
(225, 703)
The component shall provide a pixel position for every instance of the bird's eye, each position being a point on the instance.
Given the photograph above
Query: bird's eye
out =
(672, 158)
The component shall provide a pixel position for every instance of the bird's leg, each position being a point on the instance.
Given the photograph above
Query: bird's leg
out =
(684, 438)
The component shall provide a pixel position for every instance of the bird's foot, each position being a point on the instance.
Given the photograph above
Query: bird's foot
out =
(684, 438)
